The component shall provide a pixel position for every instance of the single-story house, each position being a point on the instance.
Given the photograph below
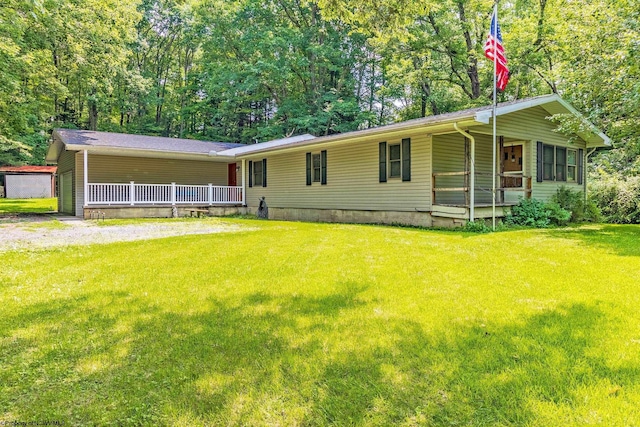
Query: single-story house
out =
(435, 170)
(27, 182)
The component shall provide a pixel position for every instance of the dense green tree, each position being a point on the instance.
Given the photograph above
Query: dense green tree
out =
(247, 70)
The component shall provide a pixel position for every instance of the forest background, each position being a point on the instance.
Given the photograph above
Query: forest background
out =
(253, 70)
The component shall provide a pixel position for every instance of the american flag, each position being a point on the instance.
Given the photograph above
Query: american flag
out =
(494, 50)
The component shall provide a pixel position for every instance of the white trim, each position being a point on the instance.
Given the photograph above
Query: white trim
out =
(244, 184)
(85, 178)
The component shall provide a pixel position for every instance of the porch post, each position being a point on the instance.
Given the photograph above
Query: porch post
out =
(132, 193)
(85, 178)
(472, 181)
(472, 172)
(173, 194)
(210, 196)
(244, 187)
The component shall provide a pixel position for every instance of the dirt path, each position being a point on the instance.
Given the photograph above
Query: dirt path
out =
(43, 232)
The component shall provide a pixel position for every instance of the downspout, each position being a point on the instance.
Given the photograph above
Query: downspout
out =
(584, 171)
(472, 172)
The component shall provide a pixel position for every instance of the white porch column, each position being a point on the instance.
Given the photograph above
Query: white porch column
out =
(85, 178)
(244, 187)
(173, 194)
(210, 195)
(132, 193)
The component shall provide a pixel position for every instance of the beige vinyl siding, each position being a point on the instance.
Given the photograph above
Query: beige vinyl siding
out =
(532, 125)
(448, 156)
(66, 163)
(118, 169)
(352, 179)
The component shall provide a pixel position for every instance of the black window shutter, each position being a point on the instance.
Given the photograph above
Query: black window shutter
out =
(539, 162)
(580, 165)
(308, 168)
(323, 167)
(383, 162)
(406, 159)
(250, 173)
(264, 172)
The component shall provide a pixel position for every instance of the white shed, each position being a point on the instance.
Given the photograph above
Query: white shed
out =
(27, 182)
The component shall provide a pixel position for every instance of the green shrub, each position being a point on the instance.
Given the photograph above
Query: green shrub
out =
(572, 201)
(618, 198)
(557, 214)
(529, 213)
(534, 213)
(478, 226)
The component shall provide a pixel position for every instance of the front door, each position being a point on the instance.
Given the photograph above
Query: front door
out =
(512, 164)
(232, 175)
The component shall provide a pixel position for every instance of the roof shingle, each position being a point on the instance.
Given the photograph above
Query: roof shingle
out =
(140, 142)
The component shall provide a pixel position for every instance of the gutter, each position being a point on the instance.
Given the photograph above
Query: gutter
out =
(472, 172)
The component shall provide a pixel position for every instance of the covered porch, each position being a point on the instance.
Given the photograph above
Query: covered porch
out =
(462, 181)
(103, 185)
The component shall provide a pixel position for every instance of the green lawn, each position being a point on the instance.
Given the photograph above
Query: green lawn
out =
(318, 324)
(8, 206)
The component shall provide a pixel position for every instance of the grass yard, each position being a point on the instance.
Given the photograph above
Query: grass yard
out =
(17, 206)
(319, 324)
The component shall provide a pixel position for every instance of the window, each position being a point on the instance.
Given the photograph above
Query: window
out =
(572, 165)
(548, 162)
(395, 161)
(316, 167)
(257, 174)
(559, 163)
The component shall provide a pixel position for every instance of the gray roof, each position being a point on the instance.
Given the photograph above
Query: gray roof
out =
(140, 142)
(475, 116)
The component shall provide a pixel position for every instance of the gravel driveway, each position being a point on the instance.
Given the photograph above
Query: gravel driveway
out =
(46, 232)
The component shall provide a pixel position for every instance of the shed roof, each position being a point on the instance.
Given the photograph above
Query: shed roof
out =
(29, 169)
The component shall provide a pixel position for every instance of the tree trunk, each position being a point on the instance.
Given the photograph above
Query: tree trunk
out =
(472, 69)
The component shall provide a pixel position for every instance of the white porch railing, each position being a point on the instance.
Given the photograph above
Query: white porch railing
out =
(161, 194)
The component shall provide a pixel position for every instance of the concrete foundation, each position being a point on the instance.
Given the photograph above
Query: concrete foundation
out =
(158, 211)
(421, 219)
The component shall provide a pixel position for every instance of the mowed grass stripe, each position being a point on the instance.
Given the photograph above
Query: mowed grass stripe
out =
(320, 324)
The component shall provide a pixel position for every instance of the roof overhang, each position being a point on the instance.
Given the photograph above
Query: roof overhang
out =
(552, 104)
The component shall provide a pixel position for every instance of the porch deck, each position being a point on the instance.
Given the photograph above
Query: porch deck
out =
(461, 211)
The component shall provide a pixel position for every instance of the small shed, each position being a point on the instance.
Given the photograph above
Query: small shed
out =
(27, 182)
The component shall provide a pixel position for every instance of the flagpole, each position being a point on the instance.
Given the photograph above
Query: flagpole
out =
(495, 92)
